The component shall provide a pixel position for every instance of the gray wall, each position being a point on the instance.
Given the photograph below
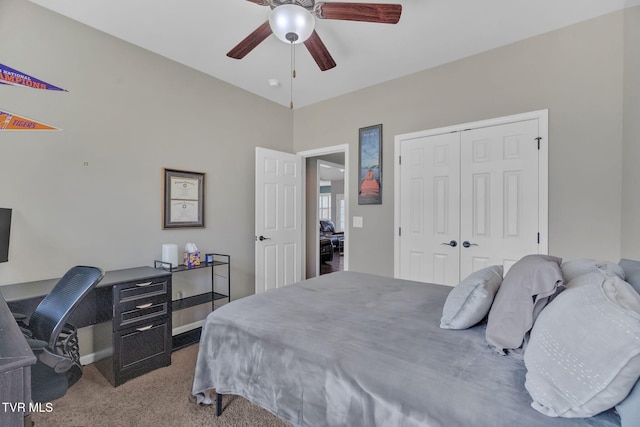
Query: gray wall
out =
(631, 137)
(575, 72)
(128, 113)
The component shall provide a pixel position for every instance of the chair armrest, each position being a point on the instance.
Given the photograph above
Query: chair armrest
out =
(19, 317)
(36, 344)
(58, 363)
(21, 320)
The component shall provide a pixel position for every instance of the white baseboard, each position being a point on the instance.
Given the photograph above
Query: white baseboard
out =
(187, 328)
(90, 358)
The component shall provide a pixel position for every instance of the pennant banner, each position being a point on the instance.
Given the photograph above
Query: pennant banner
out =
(9, 121)
(9, 76)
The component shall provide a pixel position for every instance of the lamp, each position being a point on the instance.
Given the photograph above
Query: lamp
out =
(291, 23)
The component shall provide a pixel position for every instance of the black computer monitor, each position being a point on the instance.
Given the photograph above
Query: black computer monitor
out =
(5, 229)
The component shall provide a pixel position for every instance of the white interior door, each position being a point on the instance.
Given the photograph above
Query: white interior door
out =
(430, 217)
(498, 195)
(278, 219)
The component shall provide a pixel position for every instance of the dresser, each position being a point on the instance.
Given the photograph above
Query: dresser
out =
(16, 359)
(139, 300)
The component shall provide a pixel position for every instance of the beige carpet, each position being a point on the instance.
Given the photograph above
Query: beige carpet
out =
(159, 398)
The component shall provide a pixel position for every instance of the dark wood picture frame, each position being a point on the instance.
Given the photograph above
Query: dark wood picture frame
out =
(183, 199)
(370, 165)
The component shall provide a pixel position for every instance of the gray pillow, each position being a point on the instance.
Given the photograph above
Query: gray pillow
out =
(524, 292)
(629, 408)
(578, 267)
(469, 302)
(631, 272)
(584, 353)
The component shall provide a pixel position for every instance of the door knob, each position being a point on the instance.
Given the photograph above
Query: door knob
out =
(261, 238)
(467, 244)
(452, 243)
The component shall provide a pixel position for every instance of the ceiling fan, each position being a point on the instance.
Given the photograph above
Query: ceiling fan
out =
(292, 21)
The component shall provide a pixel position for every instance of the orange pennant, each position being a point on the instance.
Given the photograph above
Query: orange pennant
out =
(9, 121)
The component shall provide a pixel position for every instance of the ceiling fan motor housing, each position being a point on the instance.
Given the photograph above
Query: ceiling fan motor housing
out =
(291, 23)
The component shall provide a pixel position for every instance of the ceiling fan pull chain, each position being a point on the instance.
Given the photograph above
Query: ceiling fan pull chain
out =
(293, 71)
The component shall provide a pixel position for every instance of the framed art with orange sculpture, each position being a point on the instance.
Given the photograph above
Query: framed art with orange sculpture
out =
(370, 165)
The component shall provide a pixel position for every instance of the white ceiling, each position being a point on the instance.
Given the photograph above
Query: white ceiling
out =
(199, 33)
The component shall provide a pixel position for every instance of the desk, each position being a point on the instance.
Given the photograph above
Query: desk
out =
(137, 301)
(16, 359)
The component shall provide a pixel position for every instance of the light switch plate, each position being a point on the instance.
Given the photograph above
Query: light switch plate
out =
(357, 222)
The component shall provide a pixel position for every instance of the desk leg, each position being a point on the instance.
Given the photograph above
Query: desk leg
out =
(218, 404)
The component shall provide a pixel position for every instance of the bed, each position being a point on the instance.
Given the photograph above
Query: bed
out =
(351, 349)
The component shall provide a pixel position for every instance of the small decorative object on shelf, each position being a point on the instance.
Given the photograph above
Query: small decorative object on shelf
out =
(191, 255)
(191, 259)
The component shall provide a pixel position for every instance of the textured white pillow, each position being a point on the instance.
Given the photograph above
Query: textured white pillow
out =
(578, 267)
(584, 353)
(631, 272)
(470, 301)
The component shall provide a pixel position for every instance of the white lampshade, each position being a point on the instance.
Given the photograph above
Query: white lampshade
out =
(291, 23)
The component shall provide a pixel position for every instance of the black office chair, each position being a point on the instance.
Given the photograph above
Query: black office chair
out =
(54, 341)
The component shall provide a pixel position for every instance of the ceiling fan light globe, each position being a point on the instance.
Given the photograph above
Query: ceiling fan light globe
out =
(290, 19)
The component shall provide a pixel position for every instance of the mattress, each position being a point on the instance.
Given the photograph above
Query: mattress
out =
(355, 349)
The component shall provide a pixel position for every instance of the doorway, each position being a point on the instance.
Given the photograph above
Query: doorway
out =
(327, 181)
(331, 213)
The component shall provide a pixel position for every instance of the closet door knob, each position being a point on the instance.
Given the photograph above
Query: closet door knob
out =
(452, 243)
(467, 244)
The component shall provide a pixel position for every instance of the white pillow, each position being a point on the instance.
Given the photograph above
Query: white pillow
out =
(631, 272)
(578, 267)
(469, 302)
(584, 353)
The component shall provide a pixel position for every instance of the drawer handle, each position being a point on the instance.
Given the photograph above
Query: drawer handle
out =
(144, 305)
(141, 285)
(144, 328)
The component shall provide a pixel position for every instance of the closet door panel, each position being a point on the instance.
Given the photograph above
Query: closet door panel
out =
(498, 195)
(430, 214)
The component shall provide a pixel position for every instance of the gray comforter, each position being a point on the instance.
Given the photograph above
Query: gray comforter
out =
(353, 349)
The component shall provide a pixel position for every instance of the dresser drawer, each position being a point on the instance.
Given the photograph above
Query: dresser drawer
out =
(141, 344)
(140, 311)
(137, 351)
(137, 290)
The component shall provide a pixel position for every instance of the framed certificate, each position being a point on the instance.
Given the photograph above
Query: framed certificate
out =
(183, 199)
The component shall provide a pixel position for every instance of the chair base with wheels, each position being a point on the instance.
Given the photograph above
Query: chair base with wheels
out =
(53, 341)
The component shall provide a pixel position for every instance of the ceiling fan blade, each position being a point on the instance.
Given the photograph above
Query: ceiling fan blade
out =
(366, 12)
(260, 2)
(251, 41)
(319, 52)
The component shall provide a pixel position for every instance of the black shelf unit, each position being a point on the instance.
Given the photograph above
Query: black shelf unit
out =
(215, 259)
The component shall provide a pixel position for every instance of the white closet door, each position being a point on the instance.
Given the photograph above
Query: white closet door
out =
(477, 189)
(430, 176)
(498, 195)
